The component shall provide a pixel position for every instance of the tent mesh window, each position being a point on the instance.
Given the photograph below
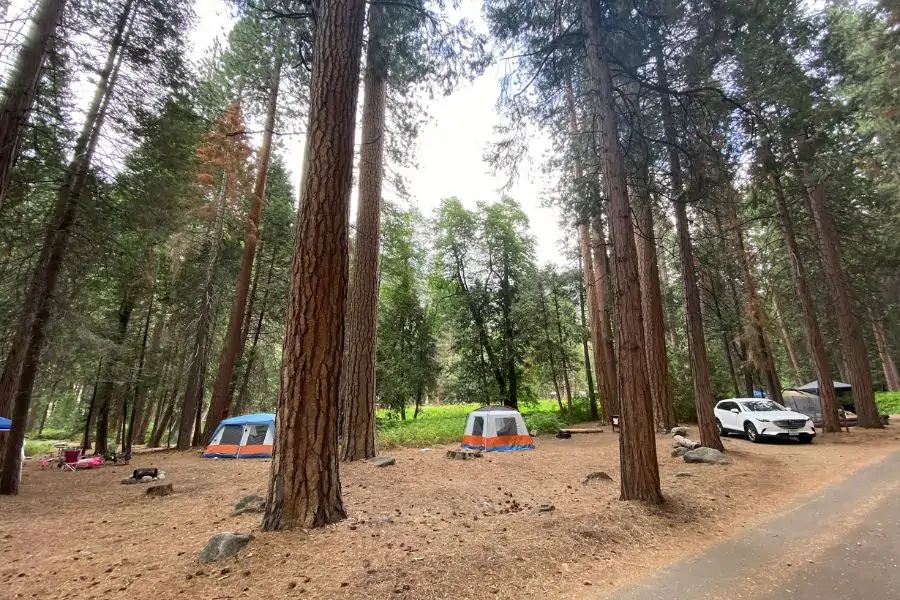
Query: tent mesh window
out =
(506, 426)
(231, 435)
(478, 426)
(257, 434)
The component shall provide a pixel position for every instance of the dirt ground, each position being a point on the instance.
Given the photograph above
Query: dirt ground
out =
(427, 527)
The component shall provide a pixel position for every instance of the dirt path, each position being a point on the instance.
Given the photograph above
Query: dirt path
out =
(842, 543)
(426, 528)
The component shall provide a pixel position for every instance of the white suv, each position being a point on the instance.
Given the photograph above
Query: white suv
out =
(761, 418)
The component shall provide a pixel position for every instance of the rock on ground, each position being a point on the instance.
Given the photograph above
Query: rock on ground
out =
(542, 508)
(707, 455)
(160, 490)
(596, 475)
(680, 451)
(679, 431)
(223, 545)
(129, 481)
(383, 461)
(249, 504)
(146, 479)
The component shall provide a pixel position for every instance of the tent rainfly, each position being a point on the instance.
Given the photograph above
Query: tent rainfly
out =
(813, 387)
(247, 436)
(496, 429)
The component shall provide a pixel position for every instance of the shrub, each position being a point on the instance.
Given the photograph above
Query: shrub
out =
(888, 403)
(38, 447)
(544, 422)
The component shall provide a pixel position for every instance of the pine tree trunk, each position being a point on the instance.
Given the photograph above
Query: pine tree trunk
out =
(654, 322)
(137, 406)
(358, 370)
(89, 418)
(596, 317)
(107, 384)
(703, 397)
(23, 359)
(849, 330)
(21, 89)
(754, 306)
(221, 398)
(196, 381)
(637, 443)
(588, 376)
(170, 400)
(565, 362)
(550, 353)
(304, 486)
(801, 287)
(605, 281)
(788, 344)
(891, 377)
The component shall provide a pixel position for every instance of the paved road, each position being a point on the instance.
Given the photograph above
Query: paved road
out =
(854, 556)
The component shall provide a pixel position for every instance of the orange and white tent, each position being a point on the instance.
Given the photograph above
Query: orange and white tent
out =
(496, 429)
(246, 436)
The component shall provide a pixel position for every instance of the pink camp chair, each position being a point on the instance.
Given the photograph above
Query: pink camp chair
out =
(70, 459)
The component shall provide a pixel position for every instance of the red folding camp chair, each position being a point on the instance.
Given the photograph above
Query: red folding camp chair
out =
(70, 459)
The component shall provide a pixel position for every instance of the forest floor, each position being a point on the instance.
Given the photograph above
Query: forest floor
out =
(427, 527)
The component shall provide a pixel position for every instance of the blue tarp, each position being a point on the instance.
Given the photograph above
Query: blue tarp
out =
(254, 419)
(5, 424)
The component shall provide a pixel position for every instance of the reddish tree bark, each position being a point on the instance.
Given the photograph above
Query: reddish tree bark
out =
(800, 280)
(595, 318)
(654, 322)
(852, 347)
(703, 397)
(637, 443)
(304, 485)
(605, 279)
(358, 370)
(221, 398)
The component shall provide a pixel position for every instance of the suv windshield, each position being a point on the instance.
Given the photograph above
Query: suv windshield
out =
(761, 405)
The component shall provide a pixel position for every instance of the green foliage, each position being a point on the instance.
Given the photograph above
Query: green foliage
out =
(38, 447)
(51, 434)
(445, 424)
(888, 403)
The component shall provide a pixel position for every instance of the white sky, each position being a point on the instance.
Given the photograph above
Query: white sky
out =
(450, 146)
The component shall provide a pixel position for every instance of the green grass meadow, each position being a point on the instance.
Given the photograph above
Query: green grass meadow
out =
(445, 424)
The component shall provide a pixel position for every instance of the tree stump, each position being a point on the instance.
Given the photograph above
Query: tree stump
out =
(463, 454)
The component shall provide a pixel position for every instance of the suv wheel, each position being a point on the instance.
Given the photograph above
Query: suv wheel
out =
(722, 431)
(751, 432)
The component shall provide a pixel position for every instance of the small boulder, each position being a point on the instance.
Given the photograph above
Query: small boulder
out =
(383, 461)
(543, 508)
(223, 545)
(684, 474)
(488, 508)
(129, 481)
(679, 431)
(679, 452)
(707, 455)
(146, 479)
(596, 475)
(161, 476)
(249, 504)
(158, 491)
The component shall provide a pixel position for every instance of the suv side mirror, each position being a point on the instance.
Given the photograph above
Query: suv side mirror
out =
(735, 411)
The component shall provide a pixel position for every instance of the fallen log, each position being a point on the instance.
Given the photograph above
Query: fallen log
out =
(587, 430)
(679, 441)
